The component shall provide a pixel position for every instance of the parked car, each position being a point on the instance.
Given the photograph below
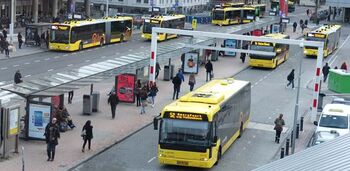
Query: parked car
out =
(322, 136)
(321, 15)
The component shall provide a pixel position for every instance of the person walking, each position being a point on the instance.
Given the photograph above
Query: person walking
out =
(243, 55)
(70, 96)
(113, 100)
(51, 134)
(344, 66)
(177, 84)
(153, 93)
(143, 97)
(6, 48)
(307, 12)
(325, 71)
(87, 135)
(295, 25)
(209, 70)
(302, 26)
(138, 87)
(18, 77)
(4, 32)
(180, 75)
(191, 81)
(290, 78)
(37, 39)
(279, 123)
(301, 22)
(20, 40)
(157, 69)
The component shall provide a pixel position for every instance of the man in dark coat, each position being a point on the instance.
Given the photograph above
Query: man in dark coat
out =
(325, 71)
(177, 84)
(209, 70)
(157, 69)
(52, 133)
(290, 78)
(18, 77)
(279, 123)
(113, 100)
(4, 32)
(295, 25)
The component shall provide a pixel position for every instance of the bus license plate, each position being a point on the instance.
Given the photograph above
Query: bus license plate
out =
(183, 163)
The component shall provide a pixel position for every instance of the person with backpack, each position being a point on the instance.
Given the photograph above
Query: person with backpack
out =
(290, 79)
(87, 135)
(325, 72)
(177, 84)
(20, 40)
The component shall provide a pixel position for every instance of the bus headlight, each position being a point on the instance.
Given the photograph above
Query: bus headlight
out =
(204, 159)
(67, 47)
(143, 36)
(162, 155)
(305, 51)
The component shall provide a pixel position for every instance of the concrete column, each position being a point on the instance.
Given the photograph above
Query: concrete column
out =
(54, 8)
(35, 10)
(87, 7)
(71, 6)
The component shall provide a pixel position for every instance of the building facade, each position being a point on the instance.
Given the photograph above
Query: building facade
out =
(344, 5)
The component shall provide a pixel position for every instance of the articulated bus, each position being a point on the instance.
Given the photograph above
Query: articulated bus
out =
(77, 35)
(172, 21)
(328, 34)
(198, 128)
(266, 61)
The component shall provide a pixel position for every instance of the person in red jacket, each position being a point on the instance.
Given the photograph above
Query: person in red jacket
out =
(344, 66)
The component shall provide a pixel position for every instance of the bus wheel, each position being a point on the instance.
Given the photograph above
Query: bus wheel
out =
(80, 46)
(218, 157)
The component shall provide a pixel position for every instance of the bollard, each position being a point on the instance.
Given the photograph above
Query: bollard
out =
(91, 88)
(301, 123)
(297, 133)
(287, 147)
(282, 153)
(291, 139)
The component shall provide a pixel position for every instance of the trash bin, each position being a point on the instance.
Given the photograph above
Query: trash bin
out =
(320, 101)
(214, 55)
(168, 72)
(87, 104)
(95, 101)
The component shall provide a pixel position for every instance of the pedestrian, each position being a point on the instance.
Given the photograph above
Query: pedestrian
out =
(87, 135)
(6, 48)
(113, 100)
(302, 28)
(153, 93)
(295, 25)
(334, 12)
(306, 22)
(177, 84)
(20, 40)
(325, 71)
(279, 123)
(143, 97)
(70, 96)
(137, 93)
(18, 77)
(180, 75)
(4, 32)
(37, 39)
(2, 45)
(290, 79)
(301, 22)
(244, 55)
(191, 81)
(52, 134)
(328, 17)
(209, 70)
(307, 12)
(344, 66)
(157, 69)
(47, 39)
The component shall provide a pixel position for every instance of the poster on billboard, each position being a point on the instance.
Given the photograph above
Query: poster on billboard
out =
(38, 117)
(13, 121)
(190, 63)
(125, 85)
(230, 43)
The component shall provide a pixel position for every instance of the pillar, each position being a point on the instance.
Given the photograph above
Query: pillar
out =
(54, 8)
(35, 10)
(71, 6)
(87, 8)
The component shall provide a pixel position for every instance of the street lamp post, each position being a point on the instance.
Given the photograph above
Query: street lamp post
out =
(12, 20)
(107, 3)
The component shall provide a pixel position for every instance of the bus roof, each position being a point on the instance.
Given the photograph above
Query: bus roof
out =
(167, 17)
(93, 21)
(276, 35)
(228, 9)
(208, 98)
(326, 29)
(256, 5)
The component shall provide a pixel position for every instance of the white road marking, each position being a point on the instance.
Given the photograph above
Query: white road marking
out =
(27, 63)
(89, 50)
(56, 57)
(117, 53)
(150, 160)
(65, 55)
(49, 70)
(37, 61)
(27, 76)
(87, 61)
(4, 68)
(74, 53)
(331, 62)
(103, 57)
(69, 65)
(264, 127)
(47, 59)
(15, 65)
(103, 47)
(130, 50)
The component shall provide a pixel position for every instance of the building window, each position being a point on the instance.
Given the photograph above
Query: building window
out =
(145, 1)
(120, 0)
(167, 1)
(138, 1)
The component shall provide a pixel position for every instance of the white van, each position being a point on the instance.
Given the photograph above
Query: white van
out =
(334, 117)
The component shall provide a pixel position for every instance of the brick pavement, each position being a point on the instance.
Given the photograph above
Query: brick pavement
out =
(107, 131)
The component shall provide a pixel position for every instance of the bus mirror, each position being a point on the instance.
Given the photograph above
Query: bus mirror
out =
(278, 50)
(155, 123)
(315, 123)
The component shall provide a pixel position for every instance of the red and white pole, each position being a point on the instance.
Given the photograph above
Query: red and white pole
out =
(153, 58)
(317, 84)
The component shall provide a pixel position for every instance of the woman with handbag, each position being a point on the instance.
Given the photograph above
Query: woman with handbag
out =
(87, 135)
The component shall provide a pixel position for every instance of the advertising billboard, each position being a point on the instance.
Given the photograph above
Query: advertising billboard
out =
(190, 63)
(13, 121)
(230, 43)
(125, 86)
(38, 117)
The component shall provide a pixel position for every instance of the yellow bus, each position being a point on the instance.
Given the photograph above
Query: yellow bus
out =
(171, 21)
(266, 61)
(226, 16)
(328, 34)
(198, 128)
(78, 35)
(248, 14)
(260, 9)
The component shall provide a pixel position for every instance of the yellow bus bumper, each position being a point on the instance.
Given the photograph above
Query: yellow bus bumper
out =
(147, 36)
(189, 163)
(63, 47)
(247, 21)
(314, 52)
(220, 22)
(262, 63)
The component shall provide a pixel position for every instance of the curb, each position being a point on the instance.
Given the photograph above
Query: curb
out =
(21, 56)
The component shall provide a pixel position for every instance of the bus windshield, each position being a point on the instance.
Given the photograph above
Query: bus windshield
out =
(59, 36)
(334, 121)
(184, 132)
(147, 27)
(315, 39)
(218, 15)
